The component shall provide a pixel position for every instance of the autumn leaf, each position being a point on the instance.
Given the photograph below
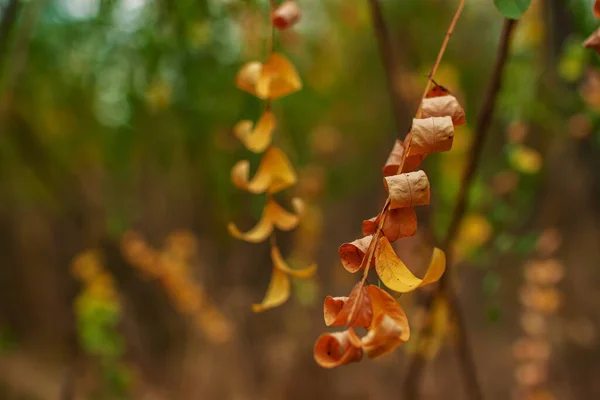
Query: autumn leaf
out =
(431, 135)
(389, 327)
(396, 276)
(395, 158)
(258, 138)
(281, 265)
(277, 293)
(273, 216)
(275, 173)
(338, 348)
(248, 75)
(336, 310)
(593, 41)
(408, 189)
(437, 91)
(596, 9)
(278, 78)
(444, 106)
(352, 254)
(399, 223)
(286, 15)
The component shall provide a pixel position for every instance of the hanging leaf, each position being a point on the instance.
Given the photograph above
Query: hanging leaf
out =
(389, 327)
(277, 293)
(396, 276)
(407, 190)
(431, 135)
(596, 9)
(273, 216)
(512, 9)
(444, 106)
(335, 349)
(286, 15)
(395, 158)
(278, 78)
(248, 75)
(275, 173)
(437, 91)
(352, 254)
(593, 41)
(281, 265)
(259, 138)
(337, 310)
(400, 222)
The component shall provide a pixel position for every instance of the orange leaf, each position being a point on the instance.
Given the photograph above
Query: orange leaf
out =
(396, 276)
(390, 325)
(399, 223)
(273, 215)
(597, 9)
(281, 265)
(275, 173)
(593, 41)
(443, 106)
(248, 75)
(431, 135)
(259, 138)
(277, 293)
(352, 254)
(286, 15)
(337, 310)
(278, 78)
(395, 158)
(437, 91)
(335, 349)
(408, 189)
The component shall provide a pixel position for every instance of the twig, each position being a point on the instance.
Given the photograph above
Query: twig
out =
(445, 288)
(390, 62)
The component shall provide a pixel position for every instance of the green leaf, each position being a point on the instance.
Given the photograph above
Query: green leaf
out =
(512, 9)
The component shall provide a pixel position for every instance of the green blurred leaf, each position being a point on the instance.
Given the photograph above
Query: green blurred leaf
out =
(525, 244)
(512, 9)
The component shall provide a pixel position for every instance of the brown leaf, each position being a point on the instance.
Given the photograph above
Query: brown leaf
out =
(593, 41)
(408, 189)
(335, 349)
(596, 9)
(399, 223)
(437, 91)
(390, 326)
(336, 310)
(444, 106)
(352, 254)
(274, 173)
(286, 15)
(395, 158)
(431, 135)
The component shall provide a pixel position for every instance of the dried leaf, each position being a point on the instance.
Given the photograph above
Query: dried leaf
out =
(273, 215)
(431, 135)
(408, 189)
(278, 78)
(596, 9)
(277, 293)
(399, 223)
(396, 276)
(248, 75)
(336, 310)
(286, 15)
(281, 265)
(395, 158)
(437, 91)
(593, 41)
(259, 138)
(275, 173)
(352, 254)
(390, 325)
(444, 106)
(335, 349)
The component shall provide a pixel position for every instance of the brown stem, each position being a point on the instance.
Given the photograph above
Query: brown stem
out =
(390, 62)
(445, 288)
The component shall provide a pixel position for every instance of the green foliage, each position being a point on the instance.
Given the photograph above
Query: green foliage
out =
(512, 9)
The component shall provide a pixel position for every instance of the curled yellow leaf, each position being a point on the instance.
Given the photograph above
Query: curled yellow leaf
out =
(399, 223)
(431, 135)
(395, 158)
(274, 173)
(389, 327)
(338, 348)
(443, 106)
(277, 293)
(273, 216)
(248, 75)
(352, 254)
(278, 78)
(396, 275)
(259, 138)
(281, 265)
(407, 190)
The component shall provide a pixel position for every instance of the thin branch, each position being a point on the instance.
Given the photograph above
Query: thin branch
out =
(390, 62)
(445, 288)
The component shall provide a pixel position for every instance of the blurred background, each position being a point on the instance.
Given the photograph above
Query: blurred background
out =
(116, 146)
